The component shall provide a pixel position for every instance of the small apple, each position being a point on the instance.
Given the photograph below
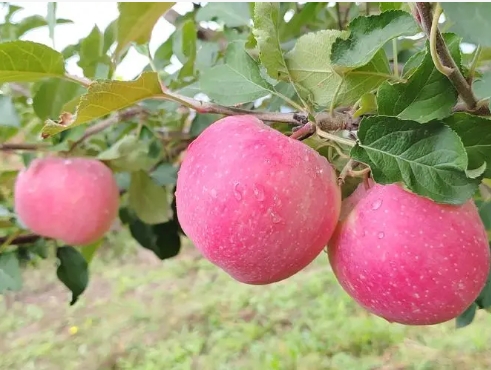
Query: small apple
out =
(407, 258)
(74, 200)
(255, 202)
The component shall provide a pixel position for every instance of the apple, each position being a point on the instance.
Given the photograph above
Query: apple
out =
(407, 258)
(74, 200)
(256, 203)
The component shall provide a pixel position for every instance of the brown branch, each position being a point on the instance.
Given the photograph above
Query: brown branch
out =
(102, 125)
(22, 239)
(482, 108)
(444, 56)
(206, 107)
(22, 146)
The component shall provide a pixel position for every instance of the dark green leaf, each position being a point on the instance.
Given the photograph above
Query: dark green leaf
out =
(91, 54)
(104, 97)
(230, 14)
(110, 35)
(136, 22)
(482, 86)
(475, 133)
(202, 121)
(236, 81)
(9, 116)
(368, 35)
(466, 317)
(470, 20)
(384, 6)
(428, 158)
(147, 199)
(207, 54)
(162, 239)
(73, 271)
(10, 273)
(29, 61)
(427, 94)
(52, 96)
(483, 301)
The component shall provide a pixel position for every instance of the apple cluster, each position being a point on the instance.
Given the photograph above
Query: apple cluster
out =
(262, 206)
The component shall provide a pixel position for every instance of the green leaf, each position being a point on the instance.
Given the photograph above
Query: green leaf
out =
(147, 199)
(266, 24)
(428, 158)
(483, 301)
(136, 22)
(89, 251)
(427, 94)
(165, 174)
(207, 54)
(9, 116)
(29, 61)
(92, 54)
(389, 6)
(470, 20)
(35, 21)
(163, 54)
(10, 273)
(308, 63)
(127, 154)
(466, 317)
(104, 97)
(368, 35)
(162, 239)
(202, 121)
(52, 96)
(237, 81)
(367, 104)
(73, 271)
(184, 47)
(230, 14)
(110, 36)
(475, 133)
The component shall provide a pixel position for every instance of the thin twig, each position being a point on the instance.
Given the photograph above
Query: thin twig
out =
(21, 239)
(335, 138)
(102, 125)
(80, 80)
(345, 171)
(433, 49)
(304, 131)
(444, 56)
(206, 107)
(23, 146)
(338, 15)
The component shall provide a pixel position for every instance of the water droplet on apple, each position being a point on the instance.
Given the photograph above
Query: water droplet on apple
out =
(238, 190)
(380, 235)
(377, 204)
(67, 161)
(274, 217)
(213, 193)
(258, 192)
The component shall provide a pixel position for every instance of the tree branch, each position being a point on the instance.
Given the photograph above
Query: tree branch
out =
(22, 239)
(102, 125)
(206, 107)
(442, 55)
(22, 146)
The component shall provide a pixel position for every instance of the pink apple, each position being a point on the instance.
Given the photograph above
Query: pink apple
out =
(255, 202)
(408, 259)
(74, 200)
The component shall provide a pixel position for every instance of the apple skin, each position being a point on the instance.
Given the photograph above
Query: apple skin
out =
(408, 259)
(256, 203)
(74, 200)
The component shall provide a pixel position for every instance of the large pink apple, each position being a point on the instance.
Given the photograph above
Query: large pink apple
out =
(74, 200)
(255, 202)
(408, 259)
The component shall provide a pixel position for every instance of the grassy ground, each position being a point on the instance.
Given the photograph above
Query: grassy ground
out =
(140, 313)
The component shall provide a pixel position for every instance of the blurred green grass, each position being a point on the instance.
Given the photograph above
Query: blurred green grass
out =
(140, 313)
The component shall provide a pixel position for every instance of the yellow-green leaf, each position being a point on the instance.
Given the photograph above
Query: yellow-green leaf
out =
(104, 97)
(136, 22)
(29, 61)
